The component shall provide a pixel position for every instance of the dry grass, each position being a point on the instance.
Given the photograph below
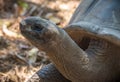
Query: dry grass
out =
(14, 49)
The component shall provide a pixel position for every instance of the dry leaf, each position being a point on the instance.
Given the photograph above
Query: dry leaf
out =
(32, 55)
(9, 33)
(52, 18)
(64, 7)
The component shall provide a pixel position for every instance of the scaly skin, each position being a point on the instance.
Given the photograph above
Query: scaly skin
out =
(48, 73)
(98, 62)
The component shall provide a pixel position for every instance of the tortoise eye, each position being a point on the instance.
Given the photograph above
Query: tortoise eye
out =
(37, 28)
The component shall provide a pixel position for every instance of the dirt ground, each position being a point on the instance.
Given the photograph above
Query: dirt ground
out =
(19, 60)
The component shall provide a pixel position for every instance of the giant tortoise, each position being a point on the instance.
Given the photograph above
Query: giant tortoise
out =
(86, 50)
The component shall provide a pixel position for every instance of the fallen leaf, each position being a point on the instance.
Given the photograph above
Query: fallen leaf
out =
(53, 18)
(32, 55)
(9, 33)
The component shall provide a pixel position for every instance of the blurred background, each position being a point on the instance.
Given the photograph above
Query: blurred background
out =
(19, 60)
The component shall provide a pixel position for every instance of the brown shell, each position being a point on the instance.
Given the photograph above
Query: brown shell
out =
(99, 18)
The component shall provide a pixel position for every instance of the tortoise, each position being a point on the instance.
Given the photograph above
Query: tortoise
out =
(86, 50)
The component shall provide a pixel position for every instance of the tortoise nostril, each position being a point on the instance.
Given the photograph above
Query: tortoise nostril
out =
(22, 24)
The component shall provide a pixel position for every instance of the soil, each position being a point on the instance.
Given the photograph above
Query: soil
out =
(19, 60)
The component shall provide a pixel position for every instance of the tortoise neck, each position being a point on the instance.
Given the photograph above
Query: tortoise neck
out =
(67, 52)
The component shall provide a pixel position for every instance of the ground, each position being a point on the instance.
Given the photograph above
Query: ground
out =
(19, 60)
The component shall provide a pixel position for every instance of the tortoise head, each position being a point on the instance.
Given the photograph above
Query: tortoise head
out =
(39, 31)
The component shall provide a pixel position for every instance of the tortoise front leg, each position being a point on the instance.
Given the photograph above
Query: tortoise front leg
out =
(48, 73)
